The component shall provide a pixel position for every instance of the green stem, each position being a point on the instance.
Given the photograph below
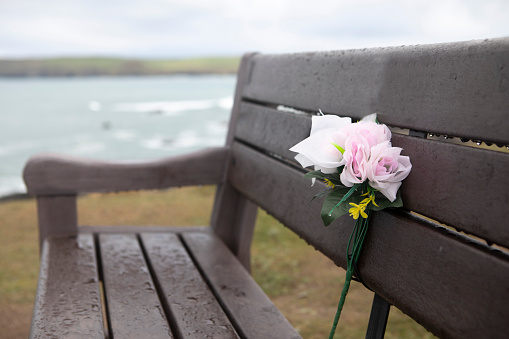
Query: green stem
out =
(353, 253)
(346, 287)
(346, 196)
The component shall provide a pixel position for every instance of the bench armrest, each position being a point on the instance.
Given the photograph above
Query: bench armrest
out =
(57, 179)
(50, 174)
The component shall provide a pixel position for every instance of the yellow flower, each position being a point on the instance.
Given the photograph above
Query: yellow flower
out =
(329, 183)
(356, 209)
(370, 199)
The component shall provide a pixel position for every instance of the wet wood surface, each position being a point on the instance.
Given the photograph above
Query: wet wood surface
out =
(155, 285)
(253, 313)
(195, 311)
(51, 174)
(68, 301)
(459, 89)
(134, 309)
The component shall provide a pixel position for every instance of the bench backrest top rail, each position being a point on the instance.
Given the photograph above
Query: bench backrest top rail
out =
(457, 89)
(450, 283)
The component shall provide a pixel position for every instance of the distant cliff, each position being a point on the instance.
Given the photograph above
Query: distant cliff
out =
(68, 67)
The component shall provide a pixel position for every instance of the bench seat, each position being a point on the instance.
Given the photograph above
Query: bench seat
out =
(171, 283)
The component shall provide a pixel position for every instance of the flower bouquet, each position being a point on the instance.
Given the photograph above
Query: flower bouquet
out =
(363, 172)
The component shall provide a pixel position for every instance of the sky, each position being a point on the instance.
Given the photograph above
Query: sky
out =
(197, 28)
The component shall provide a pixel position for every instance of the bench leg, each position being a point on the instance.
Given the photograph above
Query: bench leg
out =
(57, 216)
(378, 318)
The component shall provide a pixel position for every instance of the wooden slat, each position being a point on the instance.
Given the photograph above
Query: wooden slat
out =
(454, 288)
(141, 229)
(68, 303)
(461, 186)
(134, 309)
(423, 270)
(195, 311)
(252, 312)
(459, 89)
(49, 174)
(271, 130)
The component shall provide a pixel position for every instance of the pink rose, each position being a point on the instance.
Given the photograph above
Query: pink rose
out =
(361, 138)
(386, 169)
(355, 159)
(372, 132)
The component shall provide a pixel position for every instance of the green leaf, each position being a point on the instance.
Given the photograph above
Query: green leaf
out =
(351, 191)
(332, 200)
(320, 175)
(341, 149)
(383, 202)
(322, 194)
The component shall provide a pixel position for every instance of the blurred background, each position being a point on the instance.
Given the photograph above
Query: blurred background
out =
(111, 79)
(147, 79)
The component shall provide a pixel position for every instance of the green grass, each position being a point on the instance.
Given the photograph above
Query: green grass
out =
(302, 282)
(117, 66)
(200, 65)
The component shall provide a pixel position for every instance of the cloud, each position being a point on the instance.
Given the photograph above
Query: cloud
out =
(179, 28)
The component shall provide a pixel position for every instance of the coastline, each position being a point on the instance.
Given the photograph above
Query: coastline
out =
(118, 118)
(95, 66)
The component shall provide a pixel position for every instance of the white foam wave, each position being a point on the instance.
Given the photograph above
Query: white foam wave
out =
(217, 128)
(124, 134)
(94, 106)
(173, 107)
(88, 148)
(226, 103)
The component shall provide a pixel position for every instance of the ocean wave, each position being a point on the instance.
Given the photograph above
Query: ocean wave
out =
(88, 148)
(173, 108)
(217, 128)
(94, 106)
(226, 103)
(124, 134)
(90, 126)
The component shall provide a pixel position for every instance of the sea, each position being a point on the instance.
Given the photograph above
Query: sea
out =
(109, 118)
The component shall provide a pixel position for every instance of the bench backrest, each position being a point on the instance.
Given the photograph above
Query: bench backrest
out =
(442, 99)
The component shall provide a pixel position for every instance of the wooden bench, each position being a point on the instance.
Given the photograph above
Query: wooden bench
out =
(195, 282)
